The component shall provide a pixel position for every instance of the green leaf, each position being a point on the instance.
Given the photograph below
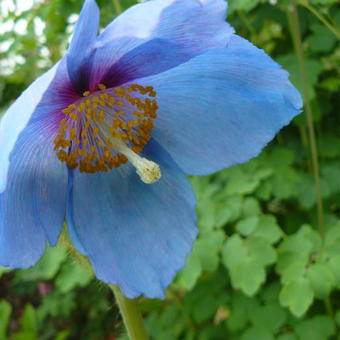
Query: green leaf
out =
(261, 227)
(29, 325)
(331, 174)
(329, 144)
(234, 204)
(72, 274)
(297, 295)
(308, 233)
(251, 207)
(306, 191)
(322, 279)
(261, 250)
(205, 308)
(284, 182)
(241, 308)
(223, 215)
(268, 228)
(256, 333)
(57, 304)
(29, 319)
(271, 317)
(296, 243)
(234, 251)
(244, 5)
(46, 268)
(246, 261)
(191, 272)
(320, 327)
(207, 216)
(337, 317)
(248, 276)
(293, 272)
(247, 225)
(208, 247)
(322, 39)
(5, 313)
(334, 266)
(282, 157)
(288, 336)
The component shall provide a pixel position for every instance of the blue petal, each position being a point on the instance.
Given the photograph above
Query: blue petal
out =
(152, 57)
(43, 97)
(136, 235)
(32, 206)
(81, 46)
(190, 26)
(71, 229)
(222, 107)
(32, 181)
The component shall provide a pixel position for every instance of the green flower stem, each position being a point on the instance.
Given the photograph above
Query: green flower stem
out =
(132, 316)
(305, 4)
(293, 19)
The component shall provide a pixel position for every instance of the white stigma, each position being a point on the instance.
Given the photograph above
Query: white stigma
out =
(148, 171)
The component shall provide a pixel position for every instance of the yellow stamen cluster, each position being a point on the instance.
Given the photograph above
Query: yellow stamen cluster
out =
(92, 126)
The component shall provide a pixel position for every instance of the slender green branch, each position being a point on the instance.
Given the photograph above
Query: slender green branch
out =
(118, 7)
(305, 4)
(293, 19)
(132, 316)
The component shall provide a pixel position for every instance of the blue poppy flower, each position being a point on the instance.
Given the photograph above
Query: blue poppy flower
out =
(105, 138)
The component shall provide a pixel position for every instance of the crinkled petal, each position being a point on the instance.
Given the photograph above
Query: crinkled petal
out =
(222, 107)
(33, 204)
(136, 235)
(81, 46)
(189, 26)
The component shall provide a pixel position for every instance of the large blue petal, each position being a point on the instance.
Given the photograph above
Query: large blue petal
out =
(190, 27)
(136, 235)
(32, 181)
(81, 46)
(222, 107)
(32, 206)
(154, 56)
(46, 95)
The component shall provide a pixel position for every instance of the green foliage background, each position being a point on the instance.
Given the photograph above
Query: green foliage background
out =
(267, 262)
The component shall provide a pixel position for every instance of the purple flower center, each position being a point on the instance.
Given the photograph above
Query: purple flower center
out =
(100, 127)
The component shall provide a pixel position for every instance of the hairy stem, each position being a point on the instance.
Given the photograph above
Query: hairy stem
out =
(132, 316)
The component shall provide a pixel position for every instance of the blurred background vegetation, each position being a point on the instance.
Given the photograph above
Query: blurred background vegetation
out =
(267, 262)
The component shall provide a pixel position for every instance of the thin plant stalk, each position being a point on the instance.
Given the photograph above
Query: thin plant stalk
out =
(320, 17)
(132, 316)
(296, 35)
